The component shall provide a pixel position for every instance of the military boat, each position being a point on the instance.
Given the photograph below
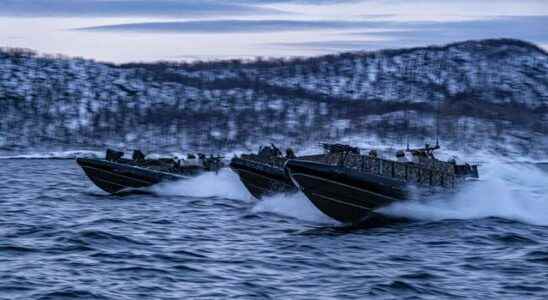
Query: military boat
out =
(352, 186)
(116, 174)
(263, 173)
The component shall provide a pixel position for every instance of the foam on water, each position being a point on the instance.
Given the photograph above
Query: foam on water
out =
(294, 205)
(49, 217)
(514, 191)
(507, 190)
(224, 184)
(511, 190)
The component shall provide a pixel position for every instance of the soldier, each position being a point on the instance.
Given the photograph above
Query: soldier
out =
(290, 154)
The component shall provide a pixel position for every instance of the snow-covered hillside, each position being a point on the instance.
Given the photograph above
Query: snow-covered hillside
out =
(498, 71)
(491, 92)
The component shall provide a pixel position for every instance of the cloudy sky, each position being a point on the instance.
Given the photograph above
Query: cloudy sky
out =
(148, 30)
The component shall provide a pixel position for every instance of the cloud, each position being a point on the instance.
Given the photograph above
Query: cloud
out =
(531, 28)
(128, 8)
(313, 2)
(339, 45)
(238, 26)
(407, 34)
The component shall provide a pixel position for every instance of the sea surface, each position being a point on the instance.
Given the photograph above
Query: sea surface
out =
(62, 238)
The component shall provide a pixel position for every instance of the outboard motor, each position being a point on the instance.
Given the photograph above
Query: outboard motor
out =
(113, 155)
(467, 170)
(474, 171)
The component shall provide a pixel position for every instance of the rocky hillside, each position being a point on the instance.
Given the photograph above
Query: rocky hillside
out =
(490, 91)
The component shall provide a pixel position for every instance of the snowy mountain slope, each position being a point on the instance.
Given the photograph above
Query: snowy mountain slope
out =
(497, 71)
(492, 92)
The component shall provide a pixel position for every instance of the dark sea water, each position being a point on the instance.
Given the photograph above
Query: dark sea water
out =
(61, 238)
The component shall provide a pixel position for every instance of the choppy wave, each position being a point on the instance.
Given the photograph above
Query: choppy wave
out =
(514, 190)
(60, 241)
(511, 191)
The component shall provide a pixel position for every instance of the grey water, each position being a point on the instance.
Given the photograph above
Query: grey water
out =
(61, 238)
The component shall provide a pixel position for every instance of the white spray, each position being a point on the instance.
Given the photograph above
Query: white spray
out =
(294, 205)
(224, 184)
(516, 191)
(507, 190)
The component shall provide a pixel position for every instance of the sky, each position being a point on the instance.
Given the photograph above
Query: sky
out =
(176, 30)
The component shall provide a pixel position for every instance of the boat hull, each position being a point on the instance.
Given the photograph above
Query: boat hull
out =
(114, 178)
(262, 180)
(346, 196)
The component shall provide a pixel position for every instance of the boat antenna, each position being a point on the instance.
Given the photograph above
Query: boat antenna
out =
(438, 124)
(441, 66)
(407, 110)
(406, 116)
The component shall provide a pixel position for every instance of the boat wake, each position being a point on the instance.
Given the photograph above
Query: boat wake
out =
(507, 190)
(294, 205)
(513, 191)
(224, 184)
